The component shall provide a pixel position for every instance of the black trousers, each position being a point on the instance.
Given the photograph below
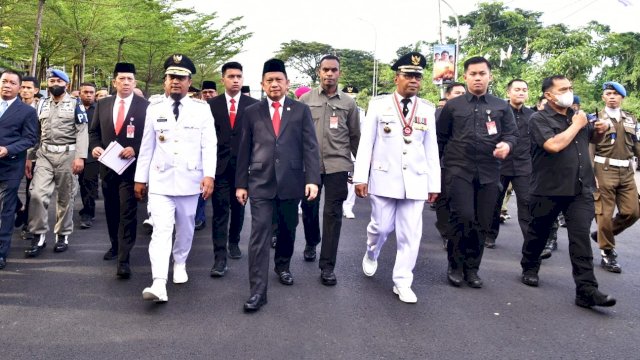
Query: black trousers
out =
(225, 206)
(8, 200)
(578, 212)
(471, 205)
(262, 212)
(27, 195)
(88, 181)
(521, 187)
(120, 207)
(335, 193)
(442, 210)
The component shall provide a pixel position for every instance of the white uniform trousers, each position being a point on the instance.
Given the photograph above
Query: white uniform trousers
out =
(347, 205)
(166, 212)
(405, 217)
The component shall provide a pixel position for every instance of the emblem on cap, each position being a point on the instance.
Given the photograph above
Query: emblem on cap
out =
(177, 58)
(415, 60)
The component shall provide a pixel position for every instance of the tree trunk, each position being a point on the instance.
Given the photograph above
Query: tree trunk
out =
(83, 61)
(36, 41)
(120, 44)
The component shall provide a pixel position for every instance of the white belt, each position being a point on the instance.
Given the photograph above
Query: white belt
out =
(612, 162)
(59, 148)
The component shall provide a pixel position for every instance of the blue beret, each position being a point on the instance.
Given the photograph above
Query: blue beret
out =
(576, 99)
(612, 85)
(58, 73)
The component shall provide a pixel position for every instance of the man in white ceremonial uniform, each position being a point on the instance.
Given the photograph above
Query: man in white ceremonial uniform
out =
(398, 165)
(177, 163)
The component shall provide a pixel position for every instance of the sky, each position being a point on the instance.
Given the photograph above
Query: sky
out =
(368, 26)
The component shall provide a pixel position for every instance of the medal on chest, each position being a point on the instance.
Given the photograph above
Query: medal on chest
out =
(407, 128)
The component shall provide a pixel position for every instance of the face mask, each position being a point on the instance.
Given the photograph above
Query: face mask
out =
(565, 100)
(56, 90)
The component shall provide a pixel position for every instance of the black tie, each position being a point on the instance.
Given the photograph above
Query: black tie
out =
(176, 109)
(405, 108)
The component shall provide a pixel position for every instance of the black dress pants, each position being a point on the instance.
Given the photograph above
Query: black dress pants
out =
(88, 181)
(471, 205)
(121, 209)
(335, 193)
(521, 187)
(578, 212)
(225, 206)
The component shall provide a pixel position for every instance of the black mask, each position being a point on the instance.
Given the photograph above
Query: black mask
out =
(56, 90)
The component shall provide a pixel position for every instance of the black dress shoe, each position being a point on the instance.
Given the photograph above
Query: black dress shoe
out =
(473, 280)
(61, 244)
(530, 279)
(274, 240)
(86, 223)
(309, 253)
(219, 268)
(124, 271)
(111, 254)
(34, 250)
(328, 278)
(285, 277)
(609, 261)
(255, 302)
(234, 251)
(594, 298)
(3, 263)
(200, 225)
(454, 277)
(490, 243)
(594, 236)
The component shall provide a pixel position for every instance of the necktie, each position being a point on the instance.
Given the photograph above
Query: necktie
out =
(3, 107)
(276, 117)
(120, 119)
(232, 113)
(176, 109)
(405, 108)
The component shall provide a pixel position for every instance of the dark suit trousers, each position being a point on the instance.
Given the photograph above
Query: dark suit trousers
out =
(121, 209)
(88, 180)
(521, 187)
(226, 205)
(442, 211)
(262, 211)
(578, 212)
(336, 190)
(472, 205)
(8, 201)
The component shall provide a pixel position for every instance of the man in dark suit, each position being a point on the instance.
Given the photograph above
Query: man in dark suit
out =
(119, 118)
(278, 164)
(88, 178)
(18, 132)
(228, 110)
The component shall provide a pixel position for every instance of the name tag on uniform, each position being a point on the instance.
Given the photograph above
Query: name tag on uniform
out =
(161, 120)
(333, 122)
(131, 130)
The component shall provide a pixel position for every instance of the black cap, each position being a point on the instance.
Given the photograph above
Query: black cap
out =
(412, 62)
(207, 84)
(350, 89)
(179, 64)
(274, 65)
(124, 68)
(193, 89)
(245, 89)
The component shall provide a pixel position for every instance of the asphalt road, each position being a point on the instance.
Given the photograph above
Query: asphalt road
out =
(71, 306)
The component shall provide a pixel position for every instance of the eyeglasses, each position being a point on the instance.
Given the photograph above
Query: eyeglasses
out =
(410, 76)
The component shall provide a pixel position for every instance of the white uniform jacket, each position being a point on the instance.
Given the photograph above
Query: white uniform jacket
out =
(391, 167)
(176, 155)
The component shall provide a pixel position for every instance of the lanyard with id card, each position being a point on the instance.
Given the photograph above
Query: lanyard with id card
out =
(333, 119)
(491, 125)
(131, 129)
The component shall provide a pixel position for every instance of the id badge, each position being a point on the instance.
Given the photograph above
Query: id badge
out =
(131, 129)
(491, 127)
(333, 122)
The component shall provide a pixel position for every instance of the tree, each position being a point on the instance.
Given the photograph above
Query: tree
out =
(304, 57)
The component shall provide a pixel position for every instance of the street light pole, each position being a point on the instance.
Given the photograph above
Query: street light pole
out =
(455, 15)
(374, 83)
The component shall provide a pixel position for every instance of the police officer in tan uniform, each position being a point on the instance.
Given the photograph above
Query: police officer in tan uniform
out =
(613, 168)
(60, 156)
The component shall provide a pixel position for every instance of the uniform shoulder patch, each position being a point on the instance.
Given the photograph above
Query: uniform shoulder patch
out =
(156, 99)
(426, 102)
(200, 101)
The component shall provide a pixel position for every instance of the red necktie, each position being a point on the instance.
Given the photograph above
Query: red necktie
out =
(232, 113)
(120, 119)
(276, 117)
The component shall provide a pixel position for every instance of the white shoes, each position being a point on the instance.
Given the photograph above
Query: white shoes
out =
(157, 292)
(369, 266)
(349, 214)
(180, 274)
(405, 294)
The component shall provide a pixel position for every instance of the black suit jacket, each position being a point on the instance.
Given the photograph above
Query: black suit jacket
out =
(271, 167)
(18, 132)
(102, 131)
(228, 138)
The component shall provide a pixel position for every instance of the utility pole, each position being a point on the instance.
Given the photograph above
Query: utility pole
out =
(36, 41)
